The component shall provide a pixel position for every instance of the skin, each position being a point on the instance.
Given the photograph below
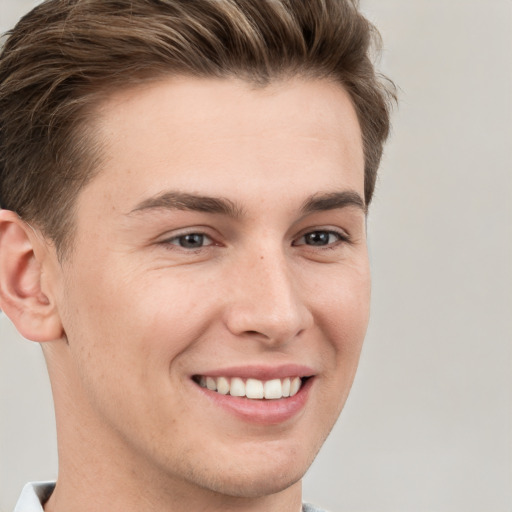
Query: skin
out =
(131, 315)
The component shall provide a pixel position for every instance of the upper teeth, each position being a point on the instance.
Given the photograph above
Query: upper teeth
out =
(253, 388)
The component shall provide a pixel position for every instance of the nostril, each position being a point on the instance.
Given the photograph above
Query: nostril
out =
(253, 333)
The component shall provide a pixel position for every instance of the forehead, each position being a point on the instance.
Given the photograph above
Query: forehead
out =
(219, 136)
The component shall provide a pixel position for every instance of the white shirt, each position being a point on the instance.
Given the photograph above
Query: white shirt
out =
(34, 494)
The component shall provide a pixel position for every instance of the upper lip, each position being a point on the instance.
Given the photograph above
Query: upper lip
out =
(260, 372)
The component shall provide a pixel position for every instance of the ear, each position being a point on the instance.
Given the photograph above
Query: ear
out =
(23, 255)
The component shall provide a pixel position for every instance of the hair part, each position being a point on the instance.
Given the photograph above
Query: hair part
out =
(64, 56)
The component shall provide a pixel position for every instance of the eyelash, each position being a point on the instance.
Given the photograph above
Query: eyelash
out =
(342, 237)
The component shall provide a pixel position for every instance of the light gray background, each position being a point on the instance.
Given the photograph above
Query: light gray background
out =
(428, 426)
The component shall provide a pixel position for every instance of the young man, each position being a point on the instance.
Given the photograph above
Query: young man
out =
(185, 187)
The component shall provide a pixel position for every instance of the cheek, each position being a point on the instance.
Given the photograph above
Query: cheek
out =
(345, 321)
(344, 307)
(139, 320)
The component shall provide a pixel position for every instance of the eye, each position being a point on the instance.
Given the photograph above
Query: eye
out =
(321, 238)
(191, 241)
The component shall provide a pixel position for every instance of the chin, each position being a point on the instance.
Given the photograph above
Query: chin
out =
(255, 485)
(267, 472)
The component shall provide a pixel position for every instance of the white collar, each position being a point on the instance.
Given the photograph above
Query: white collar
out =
(33, 495)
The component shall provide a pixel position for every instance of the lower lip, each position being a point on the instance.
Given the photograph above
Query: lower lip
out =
(262, 412)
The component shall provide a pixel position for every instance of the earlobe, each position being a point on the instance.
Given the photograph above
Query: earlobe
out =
(22, 298)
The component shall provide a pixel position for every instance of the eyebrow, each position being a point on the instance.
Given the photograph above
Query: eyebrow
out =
(174, 200)
(333, 201)
(192, 202)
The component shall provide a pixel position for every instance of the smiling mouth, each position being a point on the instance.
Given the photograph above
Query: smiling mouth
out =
(254, 389)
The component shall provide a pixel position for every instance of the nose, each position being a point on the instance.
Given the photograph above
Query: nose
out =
(265, 301)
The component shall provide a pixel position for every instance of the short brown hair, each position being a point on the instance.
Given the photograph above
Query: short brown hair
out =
(65, 54)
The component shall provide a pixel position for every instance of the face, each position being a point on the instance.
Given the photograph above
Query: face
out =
(217, 296)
